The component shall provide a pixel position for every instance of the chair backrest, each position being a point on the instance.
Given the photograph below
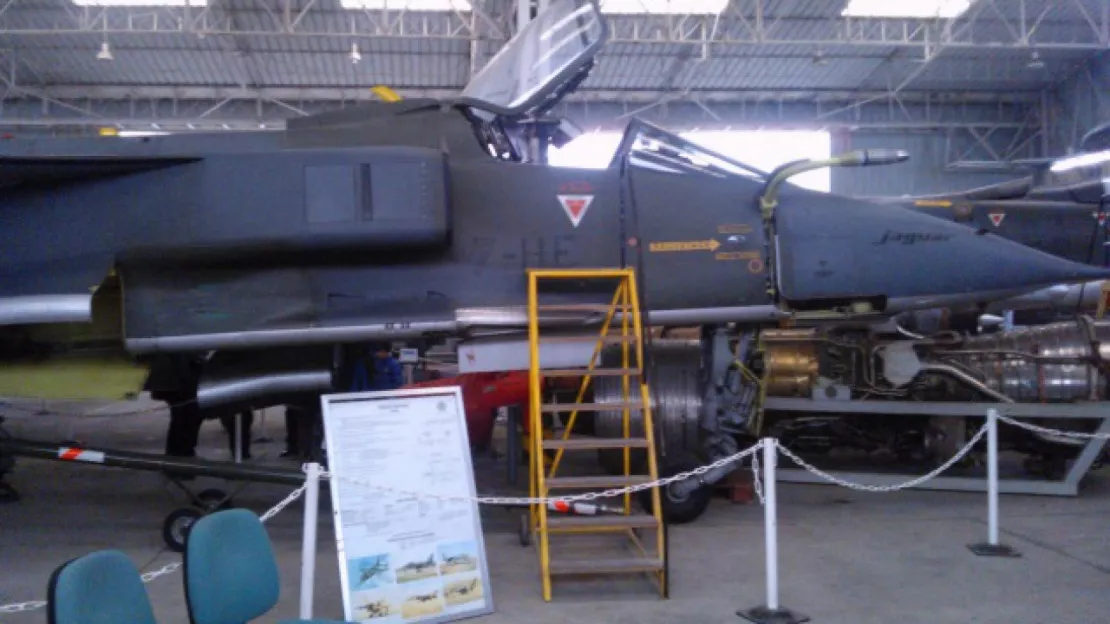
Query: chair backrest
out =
(103, 587)
(231, 573)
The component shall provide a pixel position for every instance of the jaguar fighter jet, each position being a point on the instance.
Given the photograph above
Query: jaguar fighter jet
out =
(416, 220)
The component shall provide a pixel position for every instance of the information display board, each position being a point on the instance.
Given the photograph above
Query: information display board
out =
(405, 557)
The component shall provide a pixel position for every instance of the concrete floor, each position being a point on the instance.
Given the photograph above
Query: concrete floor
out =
(846, 558)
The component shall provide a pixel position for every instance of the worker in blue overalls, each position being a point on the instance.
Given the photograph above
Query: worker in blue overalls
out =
(379, 371)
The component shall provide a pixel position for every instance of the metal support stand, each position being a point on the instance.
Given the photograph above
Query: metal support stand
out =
(992, 548)
(308, 545)
(772, 612)
(1068, 486)
(238, 437)
(512, 442)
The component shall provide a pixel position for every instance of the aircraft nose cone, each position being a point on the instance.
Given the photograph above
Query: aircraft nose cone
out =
(836, 248)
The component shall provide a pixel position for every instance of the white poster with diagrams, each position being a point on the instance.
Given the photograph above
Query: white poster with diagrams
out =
(405, 557)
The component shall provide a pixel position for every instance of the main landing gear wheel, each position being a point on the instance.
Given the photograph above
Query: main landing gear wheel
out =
(175, 528)
(679, 509)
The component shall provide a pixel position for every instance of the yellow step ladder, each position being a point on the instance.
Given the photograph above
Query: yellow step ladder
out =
(638, 553)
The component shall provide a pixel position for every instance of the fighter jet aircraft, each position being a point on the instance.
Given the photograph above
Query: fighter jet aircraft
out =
(255, 254)
(1068, 221)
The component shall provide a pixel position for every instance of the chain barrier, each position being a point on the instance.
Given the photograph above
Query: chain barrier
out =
(169, 568)
(757, 475)
(539, 500)
(757, 484)
(1046, 431)
(21, 607)
(885, 488)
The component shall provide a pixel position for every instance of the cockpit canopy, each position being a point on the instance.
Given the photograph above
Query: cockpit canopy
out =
(547, 58)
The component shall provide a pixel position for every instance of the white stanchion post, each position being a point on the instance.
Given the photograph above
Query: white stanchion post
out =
(992, 548)
(771, 525)
(771, 613)
(308, 546)
(238, 453)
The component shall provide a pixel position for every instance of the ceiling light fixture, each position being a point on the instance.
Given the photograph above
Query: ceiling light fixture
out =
(904, 9)
(1035, 61)
(356, 56)
(105, 53)
(406, 5)
(672, 7)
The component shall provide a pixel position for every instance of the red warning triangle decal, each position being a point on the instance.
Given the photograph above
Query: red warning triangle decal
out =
(996, 217)
(576, 206)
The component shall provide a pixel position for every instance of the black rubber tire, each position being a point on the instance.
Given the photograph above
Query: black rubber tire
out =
(175, 528)
(525, 530)
(215, 499)
(684, 510)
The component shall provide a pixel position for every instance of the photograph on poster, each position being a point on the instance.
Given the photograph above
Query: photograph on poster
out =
(422, 599)
(369, 572)
(463, 590)
(458, 557)
(375, 605)
(416, 568)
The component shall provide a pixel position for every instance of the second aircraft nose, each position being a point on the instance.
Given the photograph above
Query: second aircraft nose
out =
(830, 248)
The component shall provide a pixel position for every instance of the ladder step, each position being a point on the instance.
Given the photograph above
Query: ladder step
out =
(582, 372)
(599, 482)
(590, 443)
(612, 566)
(587, 339)
(592, 407)
(634, 521)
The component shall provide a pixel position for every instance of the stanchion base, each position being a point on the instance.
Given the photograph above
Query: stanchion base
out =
(984, 549)
(763, 615)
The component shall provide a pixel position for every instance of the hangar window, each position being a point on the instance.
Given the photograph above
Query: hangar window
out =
(142, 3)
(762, 149)
(408, 5)
(674, 7)
(917, 9)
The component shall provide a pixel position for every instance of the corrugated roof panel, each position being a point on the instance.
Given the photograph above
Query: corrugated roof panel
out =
(442, 61)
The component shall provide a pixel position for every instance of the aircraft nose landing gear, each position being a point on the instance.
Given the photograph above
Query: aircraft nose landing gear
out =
(175, 528)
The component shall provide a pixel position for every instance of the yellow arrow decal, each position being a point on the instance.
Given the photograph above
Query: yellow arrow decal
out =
(703, 245)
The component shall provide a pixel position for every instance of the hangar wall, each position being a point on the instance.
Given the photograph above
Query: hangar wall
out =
(925, 173)
(1079, 104)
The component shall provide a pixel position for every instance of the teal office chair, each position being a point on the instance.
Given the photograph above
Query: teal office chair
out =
(103, 587)
(231, 573)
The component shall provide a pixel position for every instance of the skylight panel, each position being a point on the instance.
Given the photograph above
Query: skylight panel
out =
(674, 7)
(911, 9)
(141, 3)
(408, 5)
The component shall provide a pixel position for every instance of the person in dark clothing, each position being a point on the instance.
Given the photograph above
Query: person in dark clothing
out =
(174, 380)
(298, 431)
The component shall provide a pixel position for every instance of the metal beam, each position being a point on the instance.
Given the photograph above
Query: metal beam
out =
(744, 24)
(163, 108)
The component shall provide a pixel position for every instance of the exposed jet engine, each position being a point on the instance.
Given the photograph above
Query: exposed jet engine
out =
(707, 391)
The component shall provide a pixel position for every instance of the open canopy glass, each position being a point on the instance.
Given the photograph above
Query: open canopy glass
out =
(540, 61)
